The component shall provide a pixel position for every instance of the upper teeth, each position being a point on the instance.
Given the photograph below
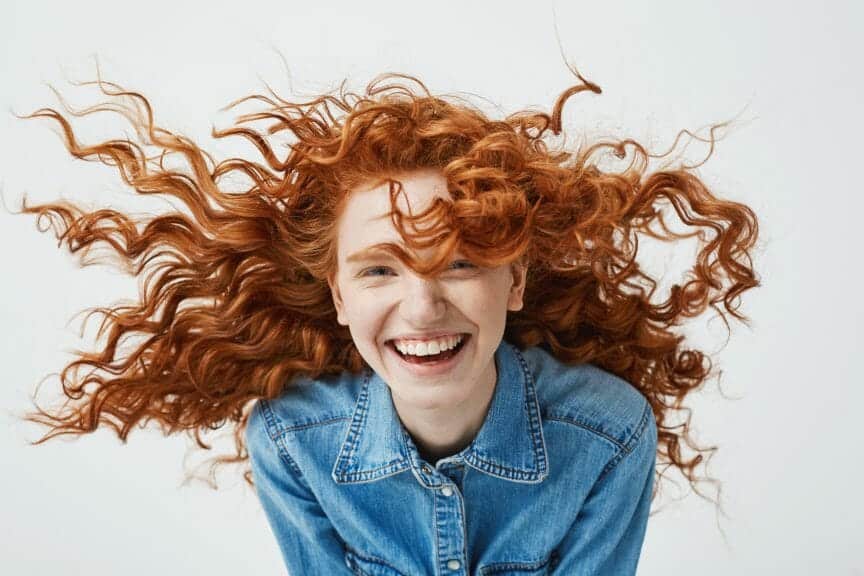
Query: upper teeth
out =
(430, 347)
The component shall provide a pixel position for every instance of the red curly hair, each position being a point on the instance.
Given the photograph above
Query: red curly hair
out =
(235, 301)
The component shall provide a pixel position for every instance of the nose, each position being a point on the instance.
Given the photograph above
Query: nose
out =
(423, 303)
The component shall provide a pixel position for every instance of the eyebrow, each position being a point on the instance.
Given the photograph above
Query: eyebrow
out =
(373, 252)
(367, 254)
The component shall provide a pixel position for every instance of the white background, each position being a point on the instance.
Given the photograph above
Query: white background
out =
(790, 453)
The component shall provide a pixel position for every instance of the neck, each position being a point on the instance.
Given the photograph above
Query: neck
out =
(442, 432)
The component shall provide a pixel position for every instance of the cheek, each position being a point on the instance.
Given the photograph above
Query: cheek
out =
(486, 298)
(366, 314)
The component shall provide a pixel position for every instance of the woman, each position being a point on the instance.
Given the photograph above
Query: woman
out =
(429, 328)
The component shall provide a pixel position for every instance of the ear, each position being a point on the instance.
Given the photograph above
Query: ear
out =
(337, 301)
(517, 290)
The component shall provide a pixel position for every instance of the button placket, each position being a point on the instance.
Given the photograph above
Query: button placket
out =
(450, 527)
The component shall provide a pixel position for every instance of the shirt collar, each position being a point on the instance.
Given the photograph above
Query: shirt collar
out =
(509, 445)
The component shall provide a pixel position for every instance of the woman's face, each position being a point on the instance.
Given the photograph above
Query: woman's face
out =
(379, 299)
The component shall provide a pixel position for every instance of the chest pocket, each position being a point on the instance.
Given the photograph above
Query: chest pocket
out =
(369, 566)
(540, 568)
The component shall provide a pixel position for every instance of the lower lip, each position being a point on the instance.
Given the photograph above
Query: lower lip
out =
(431, 368)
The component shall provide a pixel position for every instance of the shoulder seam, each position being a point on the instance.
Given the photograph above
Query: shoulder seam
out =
(271, 423)
(276, 431)
(631, 443)
(327, 420)
(276, 427)
(588, 427)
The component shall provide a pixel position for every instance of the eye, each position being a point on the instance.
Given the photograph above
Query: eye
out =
(374, 268)
(468, 263)
(371, 272)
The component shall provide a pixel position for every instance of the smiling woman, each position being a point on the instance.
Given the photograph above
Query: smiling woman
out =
(494, 401)
(442, 404)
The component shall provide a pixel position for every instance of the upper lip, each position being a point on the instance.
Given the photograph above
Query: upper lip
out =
(426, 335)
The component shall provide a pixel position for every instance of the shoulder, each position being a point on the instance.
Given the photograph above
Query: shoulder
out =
(588, 397)
(307, 403)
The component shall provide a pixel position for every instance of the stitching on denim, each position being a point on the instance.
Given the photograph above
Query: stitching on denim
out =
(499, 567)
(350, 552)
(351, 442)
(358, 420)
(462, 521)
(535, 430)
(464, 524)
(342, 460)
(581, 424)
(535, 420)
(496, 469)
(271, 421)
(287, 459)
(435, 522)
(330, 420)
(276, 427)
(631, 442)
(466, 547)
(389, 469)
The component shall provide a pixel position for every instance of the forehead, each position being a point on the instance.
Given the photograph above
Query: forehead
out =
(365, 217)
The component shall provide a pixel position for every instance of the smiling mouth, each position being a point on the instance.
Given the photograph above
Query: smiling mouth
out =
(433, 358)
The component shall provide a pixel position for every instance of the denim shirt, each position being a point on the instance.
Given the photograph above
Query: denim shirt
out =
(557, 481)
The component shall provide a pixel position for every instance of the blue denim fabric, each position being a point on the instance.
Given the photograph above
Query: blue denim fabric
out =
(557, 481)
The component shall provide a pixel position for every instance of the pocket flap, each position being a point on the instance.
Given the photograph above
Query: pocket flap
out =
(369, 566)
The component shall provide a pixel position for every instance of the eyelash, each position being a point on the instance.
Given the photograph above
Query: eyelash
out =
(364, 272)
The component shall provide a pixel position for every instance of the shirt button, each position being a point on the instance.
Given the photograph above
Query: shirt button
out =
(447, 491)
(453, 564)
(427, 469)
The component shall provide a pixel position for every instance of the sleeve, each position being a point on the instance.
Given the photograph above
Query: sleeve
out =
(306, 538)
(606, 537)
